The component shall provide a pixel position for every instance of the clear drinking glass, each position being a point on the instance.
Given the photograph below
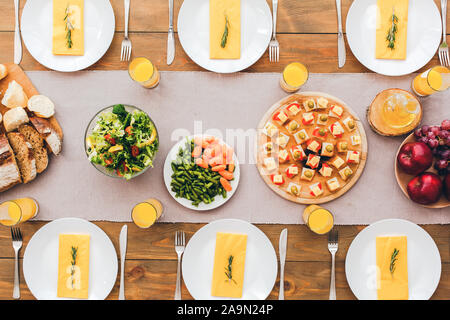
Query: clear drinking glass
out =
(146, 213)
(433, 80)
(144, 72)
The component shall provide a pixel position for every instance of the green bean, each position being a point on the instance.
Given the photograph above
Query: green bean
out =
(192, 182)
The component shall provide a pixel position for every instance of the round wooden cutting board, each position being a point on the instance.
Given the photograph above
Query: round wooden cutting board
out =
(327, 195)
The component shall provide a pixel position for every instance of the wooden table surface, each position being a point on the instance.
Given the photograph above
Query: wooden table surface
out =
(307, 33)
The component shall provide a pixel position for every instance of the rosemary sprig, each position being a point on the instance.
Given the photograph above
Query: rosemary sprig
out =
(392, 31)
(229, 270)
(393, 260)
(73, 263)
(223, 43)
(69, 28)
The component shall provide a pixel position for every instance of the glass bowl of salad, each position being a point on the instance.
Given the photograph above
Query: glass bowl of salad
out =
(121, 141)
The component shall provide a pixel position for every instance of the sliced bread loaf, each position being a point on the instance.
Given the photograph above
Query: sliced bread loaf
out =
(24, 155)
(14, 96)
(13, 118)
(42, 106)
(48, 132)
(3, 71)
(9, 171)
(36, 141)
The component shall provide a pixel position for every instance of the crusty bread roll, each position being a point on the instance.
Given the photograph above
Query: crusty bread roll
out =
(14, 118)
(14, 96)
(3, 71)
(41, 106)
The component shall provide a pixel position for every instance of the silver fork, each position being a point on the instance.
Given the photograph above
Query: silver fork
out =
(16, 236)
(125, 53)
(443, 48)
(180, 242)
(274, 46)
(333, 248)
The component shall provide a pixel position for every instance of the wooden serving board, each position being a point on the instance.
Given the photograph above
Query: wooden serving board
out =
(403, 179)
(16, 73)
(327, 195)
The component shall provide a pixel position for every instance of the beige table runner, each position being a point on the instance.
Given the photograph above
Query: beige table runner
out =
(72, 187)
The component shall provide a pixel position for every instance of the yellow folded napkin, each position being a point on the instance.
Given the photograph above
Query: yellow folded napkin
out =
(218, 10)
(229, 265)
(392, 276)
(73, 11)
(73, 267)
(385, 9)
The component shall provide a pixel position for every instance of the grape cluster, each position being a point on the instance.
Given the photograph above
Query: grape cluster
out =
(438, 139)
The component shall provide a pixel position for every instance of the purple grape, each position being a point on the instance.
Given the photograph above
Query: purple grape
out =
(444, 134)
(435, 129)
(441, 164)
(418, 133)
(445, 125)
(433, 143)
(431, 135)
(445, 154)
(424, 140)
(425, 129)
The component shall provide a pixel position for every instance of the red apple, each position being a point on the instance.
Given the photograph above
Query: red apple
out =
(425, 188)
(447, 186)
(415, 157)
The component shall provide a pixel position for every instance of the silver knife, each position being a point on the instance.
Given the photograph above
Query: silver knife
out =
(341, 43)
(283, 245)
(170, 36)
(123, 252)
(17, 41)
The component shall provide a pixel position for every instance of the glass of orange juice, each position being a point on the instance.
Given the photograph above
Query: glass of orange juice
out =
(400, 110)
(293, 77)
(13, 212)
(431, 81)
(144, 72)
(146, 213)
(318, 219)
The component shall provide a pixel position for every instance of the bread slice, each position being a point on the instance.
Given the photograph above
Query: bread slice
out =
(15, 117)
(36, 141)
(41, 106)
(9, 171)
(24, 155)
(49, 133)
(15, 96)
(3, 71)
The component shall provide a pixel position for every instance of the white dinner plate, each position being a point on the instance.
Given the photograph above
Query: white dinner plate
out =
(424, 261)
(424, 36)
(193, 31)
(37, 31)
(261, 266)
(218, 200)
(40, 261)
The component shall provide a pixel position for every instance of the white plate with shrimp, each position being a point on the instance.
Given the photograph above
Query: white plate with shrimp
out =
(218, 199)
